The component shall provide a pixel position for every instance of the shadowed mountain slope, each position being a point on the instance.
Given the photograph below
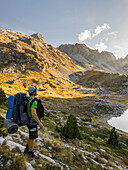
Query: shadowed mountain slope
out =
(89, 59)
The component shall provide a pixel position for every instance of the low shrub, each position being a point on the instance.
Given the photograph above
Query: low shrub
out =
(3, 98)
(18, 163)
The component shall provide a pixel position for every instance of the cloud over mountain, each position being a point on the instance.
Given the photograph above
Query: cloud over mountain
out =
(84, 35)
(87, 34)
(99, 29)
(100, 47)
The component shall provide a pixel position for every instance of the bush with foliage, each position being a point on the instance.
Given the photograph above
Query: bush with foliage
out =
(70, 129)
(3, 98)
(113, 139)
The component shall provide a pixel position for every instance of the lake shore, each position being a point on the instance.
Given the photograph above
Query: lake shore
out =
(103, 122)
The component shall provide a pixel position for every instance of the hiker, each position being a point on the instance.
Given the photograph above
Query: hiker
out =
(32, 126)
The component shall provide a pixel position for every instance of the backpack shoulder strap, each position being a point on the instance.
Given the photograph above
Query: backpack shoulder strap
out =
(31, 103)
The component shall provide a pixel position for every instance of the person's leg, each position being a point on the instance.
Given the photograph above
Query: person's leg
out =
(30, 141)
(30, 144)
(33, 134)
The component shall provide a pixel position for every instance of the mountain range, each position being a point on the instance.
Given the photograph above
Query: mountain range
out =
(20, 53)
(27, 51)
(92, 59)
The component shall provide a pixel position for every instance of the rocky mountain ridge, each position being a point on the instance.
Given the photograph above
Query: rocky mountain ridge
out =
(122, 63)
(28, 60)
(19, 52)
(90, 59)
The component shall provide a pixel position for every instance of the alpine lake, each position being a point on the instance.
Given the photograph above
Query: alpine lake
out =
(120, 123)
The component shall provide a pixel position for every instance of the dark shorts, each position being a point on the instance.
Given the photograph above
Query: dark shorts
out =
(33, 131)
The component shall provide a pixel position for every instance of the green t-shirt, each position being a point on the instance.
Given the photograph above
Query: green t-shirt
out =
(34, 105)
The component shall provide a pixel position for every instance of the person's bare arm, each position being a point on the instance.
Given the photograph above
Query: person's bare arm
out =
(34, 115)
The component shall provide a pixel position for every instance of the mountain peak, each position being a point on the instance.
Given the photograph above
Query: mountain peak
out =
(38, 37)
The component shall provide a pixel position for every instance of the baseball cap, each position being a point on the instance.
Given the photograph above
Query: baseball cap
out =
(32, 89)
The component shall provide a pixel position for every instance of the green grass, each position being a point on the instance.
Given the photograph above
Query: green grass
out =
(4, 106)
(19, 163)
(102, 133)
(49, 123)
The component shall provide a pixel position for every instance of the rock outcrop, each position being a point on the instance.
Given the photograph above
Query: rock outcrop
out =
(38, 37)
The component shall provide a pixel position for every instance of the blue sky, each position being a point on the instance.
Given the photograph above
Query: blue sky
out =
(63, 21)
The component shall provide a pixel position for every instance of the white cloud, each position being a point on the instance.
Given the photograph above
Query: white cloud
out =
(104, 39)
(99, 29)
(84, 35)
(113, 33)
(100, 47)
(87, 34)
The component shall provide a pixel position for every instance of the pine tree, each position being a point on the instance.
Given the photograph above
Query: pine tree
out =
(70, 130)
(113, 139)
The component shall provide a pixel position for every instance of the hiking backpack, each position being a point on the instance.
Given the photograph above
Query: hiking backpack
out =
(40, 108)
(17, 109)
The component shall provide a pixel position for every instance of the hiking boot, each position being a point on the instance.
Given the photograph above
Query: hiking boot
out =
(25, 151)
(32, 155)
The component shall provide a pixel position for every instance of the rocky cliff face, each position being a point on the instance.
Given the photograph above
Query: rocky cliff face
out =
(83, 55)
(19, 52)
(123, 64)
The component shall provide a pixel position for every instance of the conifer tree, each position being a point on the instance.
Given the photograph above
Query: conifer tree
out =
(113, 139)
(70, 130)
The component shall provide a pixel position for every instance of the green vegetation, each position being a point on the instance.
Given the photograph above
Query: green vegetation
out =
(51, 167)
(3, 104)
(19, 163)
(113, 139)
(3, 99)
(70, 130)
(1, 121)
(2, 131)
(127, 142)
